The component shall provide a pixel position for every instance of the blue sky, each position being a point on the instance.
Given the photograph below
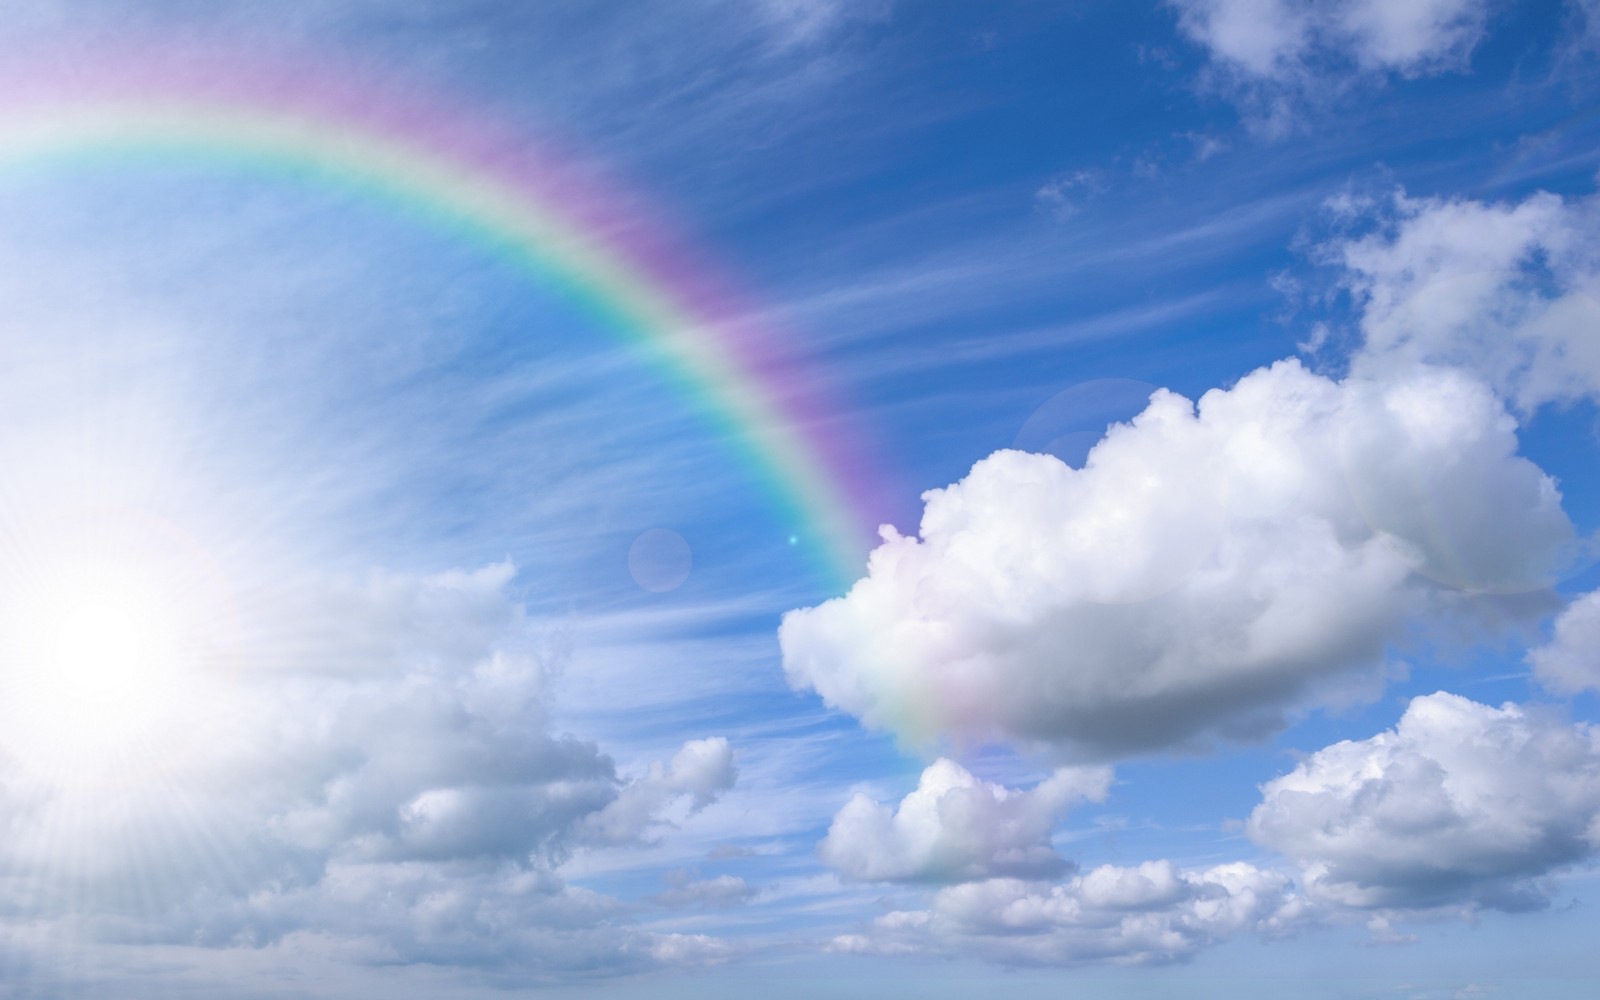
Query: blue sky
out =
(374, 619)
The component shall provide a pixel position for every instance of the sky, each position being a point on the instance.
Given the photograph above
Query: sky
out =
(612, 499)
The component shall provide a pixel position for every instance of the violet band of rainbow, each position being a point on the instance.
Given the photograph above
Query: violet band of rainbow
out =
(489, 185)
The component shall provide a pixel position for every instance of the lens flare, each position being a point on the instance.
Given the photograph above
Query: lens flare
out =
(102, 646)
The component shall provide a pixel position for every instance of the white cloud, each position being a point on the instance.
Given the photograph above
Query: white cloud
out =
(1460, 804)
(1260, 37)
(1205, 571)
(1148, 914)
(1507, 291)
(1063, 195)
(724, 890)
(516, 925)
(1277, 56)
(954, 828)
(450, 759)
(1570, 662)
(700, 771)
(1411, 36)
(382, 777)
(1279, 38)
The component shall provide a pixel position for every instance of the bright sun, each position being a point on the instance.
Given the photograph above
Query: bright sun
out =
(103, 649)
(99, 653)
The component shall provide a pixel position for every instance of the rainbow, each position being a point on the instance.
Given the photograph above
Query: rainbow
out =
(483, 181)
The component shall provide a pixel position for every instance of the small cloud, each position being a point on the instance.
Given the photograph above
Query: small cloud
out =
(1570, 661)
(1316, 340)
(1277, 57)
(697, 774)
(1383, 933)
(1347, 205)
(1064, 194)
(1206, 145)
(955, 827)
(1156, 55)
(724, 890)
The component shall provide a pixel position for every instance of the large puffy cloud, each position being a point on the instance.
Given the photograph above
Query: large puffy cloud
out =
(1206, 568)
(1506, 290)
(1461, 804)
(1148, 914)
(1278, 38)
(955, 827)
(451, 759)
(376, 773)
(1570, 661)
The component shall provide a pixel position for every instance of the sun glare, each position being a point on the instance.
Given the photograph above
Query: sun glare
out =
(100, 655)
(104, 649)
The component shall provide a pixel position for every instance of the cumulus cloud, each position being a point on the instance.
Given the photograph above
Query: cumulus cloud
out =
(515, 925)
(447, 758)
(955, 828)
(1148, 914)
(450, 758)
(700, 771)
(1208, 567)
(381, 776)
(1460, 804)
(1506, 290)
(1570, 661)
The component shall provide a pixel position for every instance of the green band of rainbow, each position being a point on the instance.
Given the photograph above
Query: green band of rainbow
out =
(471, 178)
